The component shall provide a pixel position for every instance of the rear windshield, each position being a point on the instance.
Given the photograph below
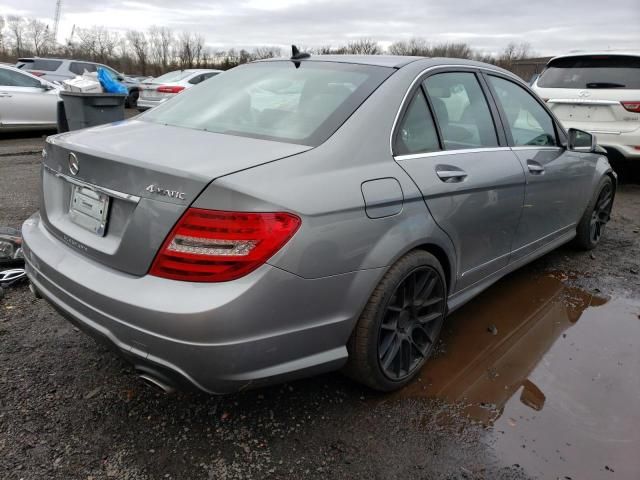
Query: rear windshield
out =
(592, 71)
(38, 64)
(275, 100)
(173, 76)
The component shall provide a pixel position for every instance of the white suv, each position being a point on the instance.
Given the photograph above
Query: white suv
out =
(598, 92)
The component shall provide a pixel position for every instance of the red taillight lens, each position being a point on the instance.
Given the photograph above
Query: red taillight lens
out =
(631, 106)
(37, 74)
(169, 89)
(216, 246)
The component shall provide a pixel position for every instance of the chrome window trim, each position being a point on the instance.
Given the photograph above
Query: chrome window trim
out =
(419, 76)
(438, 153)
(107, 191)
(533, 147)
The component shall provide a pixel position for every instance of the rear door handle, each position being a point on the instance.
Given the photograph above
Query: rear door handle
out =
(534, 167)
(450, 174)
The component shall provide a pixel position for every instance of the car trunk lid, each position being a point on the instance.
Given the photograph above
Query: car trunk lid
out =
(144, 176)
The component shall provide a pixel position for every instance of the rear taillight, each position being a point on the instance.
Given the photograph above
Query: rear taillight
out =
(631, 106)
(37, 74)
(169, 89)
(216, 246)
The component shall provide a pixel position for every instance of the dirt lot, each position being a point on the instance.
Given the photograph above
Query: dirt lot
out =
(536, 378)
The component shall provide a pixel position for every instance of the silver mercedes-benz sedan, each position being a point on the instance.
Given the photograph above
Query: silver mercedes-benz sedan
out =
(302, 215)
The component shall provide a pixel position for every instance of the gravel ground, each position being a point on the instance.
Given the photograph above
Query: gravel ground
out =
(70, 409)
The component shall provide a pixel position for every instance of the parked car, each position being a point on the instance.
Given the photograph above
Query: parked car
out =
(26, 101)
(60, 69)
(292, 217)
(158, 90)
(598, 92)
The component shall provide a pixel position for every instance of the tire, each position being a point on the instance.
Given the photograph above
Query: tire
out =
(591, 226)
(401, 301)
(132, 99)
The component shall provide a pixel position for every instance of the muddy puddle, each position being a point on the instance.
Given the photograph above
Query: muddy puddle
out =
(552, 370)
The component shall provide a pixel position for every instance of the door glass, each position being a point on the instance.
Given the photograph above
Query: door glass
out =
(417, 133)
(15, 79)
(79, 67)
(529, 123)
(461, 110)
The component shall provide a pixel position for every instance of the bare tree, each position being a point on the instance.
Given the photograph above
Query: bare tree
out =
(37, 33)
(140, 46)
(363, 46)
(3, 43)
(161, 39)
(266, 52)
(16, 26)
(514, 51)
(414, 47)
(190, 47)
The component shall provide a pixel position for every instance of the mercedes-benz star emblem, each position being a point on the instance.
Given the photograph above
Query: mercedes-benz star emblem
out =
(74, 165)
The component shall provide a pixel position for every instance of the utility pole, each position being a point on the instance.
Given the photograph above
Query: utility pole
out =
(56, 20)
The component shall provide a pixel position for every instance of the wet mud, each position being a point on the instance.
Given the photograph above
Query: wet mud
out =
(552, 369)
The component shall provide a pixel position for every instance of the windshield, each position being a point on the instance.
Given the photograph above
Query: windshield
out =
(175, 76)
(592, 71)
(275, 100)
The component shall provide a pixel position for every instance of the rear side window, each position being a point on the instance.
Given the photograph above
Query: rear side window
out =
(39, 64)
(461, 110)
(197, 79)
(528, 122)
(79, 67)
(592, 71)
(303, 102)
(417, 132)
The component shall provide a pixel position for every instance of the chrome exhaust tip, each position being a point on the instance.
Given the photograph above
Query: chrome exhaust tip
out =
(157, 384)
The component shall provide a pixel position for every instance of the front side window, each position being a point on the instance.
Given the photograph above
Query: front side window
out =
(528, 122)
(461, 110)
(417, 132)
(9, 78)
(301, 103)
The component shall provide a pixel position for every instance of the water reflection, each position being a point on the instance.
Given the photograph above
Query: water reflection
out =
(492, 344)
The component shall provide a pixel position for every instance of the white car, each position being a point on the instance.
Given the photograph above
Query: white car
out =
(598, 92)
(26, 101)
(159, 90)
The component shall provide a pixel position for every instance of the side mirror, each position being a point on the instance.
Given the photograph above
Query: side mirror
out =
(46, 86)
(120, 77)
(581, 141)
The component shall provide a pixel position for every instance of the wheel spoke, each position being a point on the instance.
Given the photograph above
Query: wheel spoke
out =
(425, 333)
(391, 352)
(417, 347)
(429, 317)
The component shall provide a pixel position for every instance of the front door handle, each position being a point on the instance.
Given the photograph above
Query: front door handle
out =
(450, 174)
(5, 94)
(535, 167)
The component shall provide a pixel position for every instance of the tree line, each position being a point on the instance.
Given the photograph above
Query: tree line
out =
(160, 49)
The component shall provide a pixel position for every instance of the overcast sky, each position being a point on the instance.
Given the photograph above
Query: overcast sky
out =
(550, 26)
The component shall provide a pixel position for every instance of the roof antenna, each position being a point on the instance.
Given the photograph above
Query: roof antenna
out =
(298, 55)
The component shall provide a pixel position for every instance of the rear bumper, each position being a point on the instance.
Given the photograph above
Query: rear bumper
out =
(623, 142)
(268, 327)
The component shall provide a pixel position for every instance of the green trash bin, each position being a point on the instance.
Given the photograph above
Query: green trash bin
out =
(83, 110)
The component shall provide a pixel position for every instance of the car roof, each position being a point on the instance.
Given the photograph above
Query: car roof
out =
(586, 53)
(393, 61)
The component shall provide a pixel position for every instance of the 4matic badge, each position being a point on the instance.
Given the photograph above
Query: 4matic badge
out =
(165, 192)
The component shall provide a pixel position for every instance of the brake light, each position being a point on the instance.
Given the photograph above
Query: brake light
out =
(169, 89)
(37, 74)
(217, 246)
(631, 106)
